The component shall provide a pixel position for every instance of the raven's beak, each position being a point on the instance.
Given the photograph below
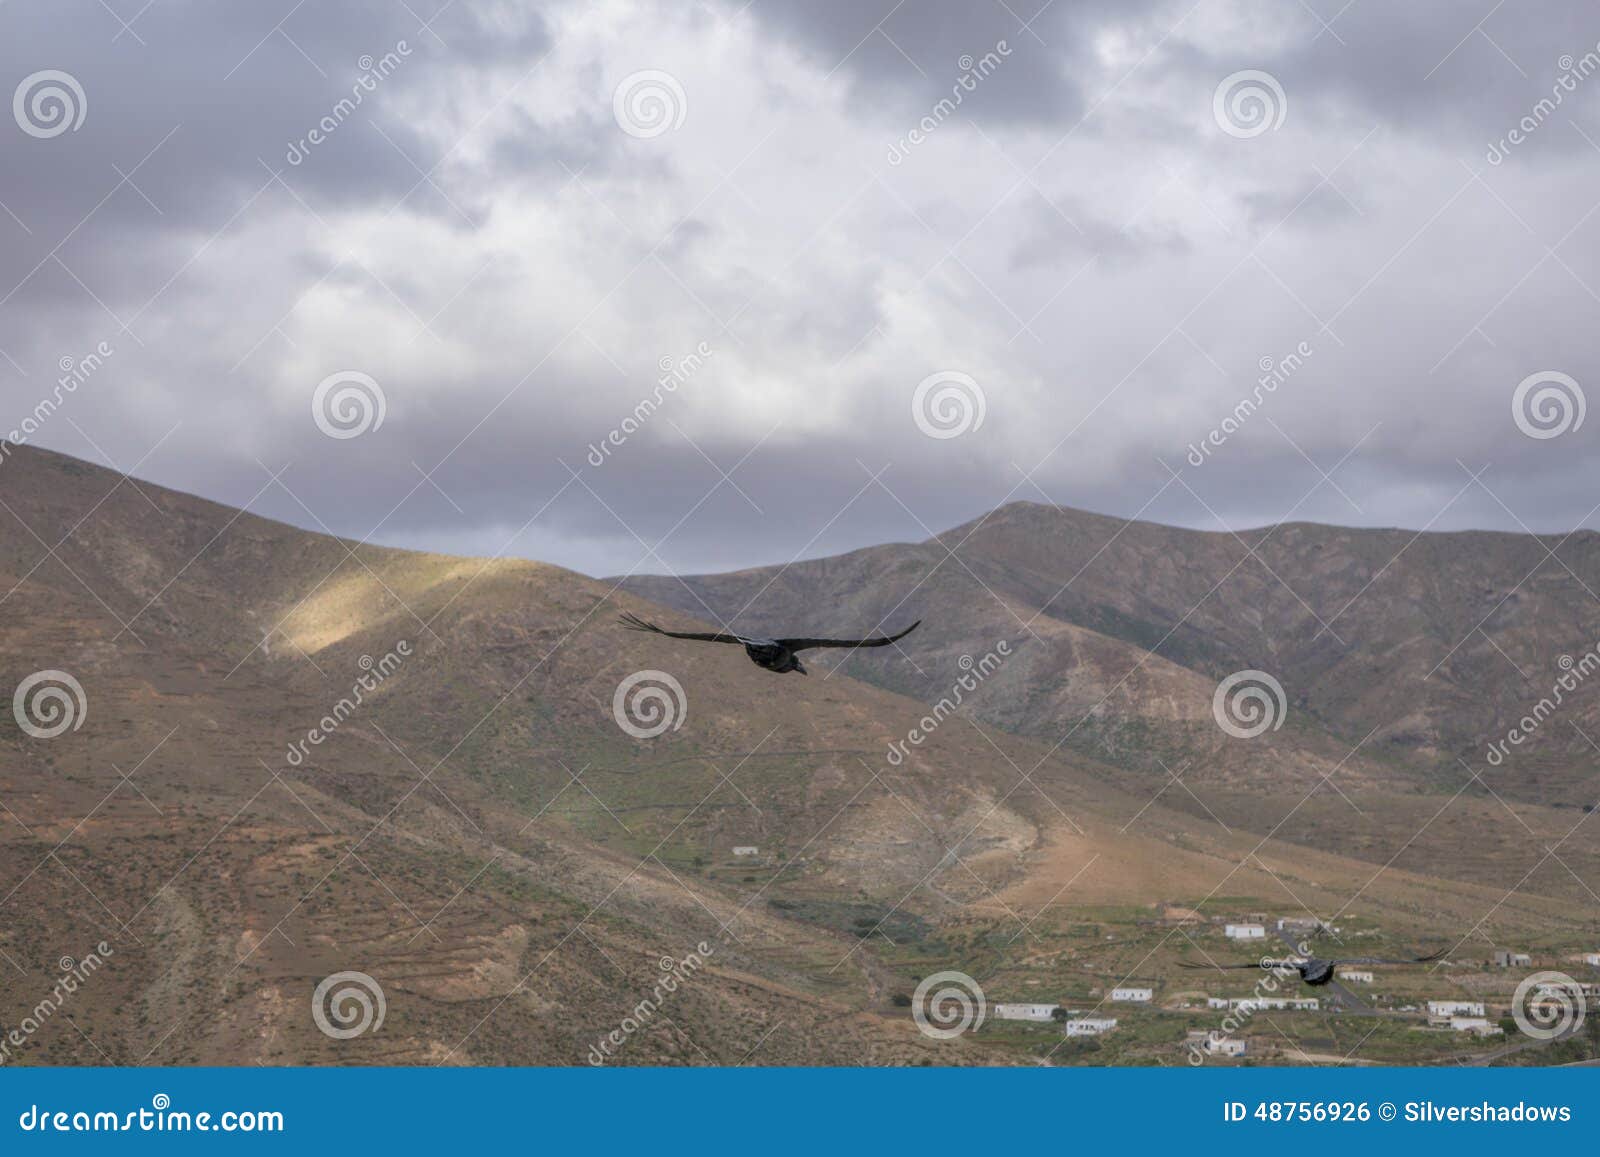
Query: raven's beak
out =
(799, 668)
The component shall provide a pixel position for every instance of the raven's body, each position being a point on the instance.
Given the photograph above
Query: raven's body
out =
(1316, 972)
(772, 655)
(777, 655)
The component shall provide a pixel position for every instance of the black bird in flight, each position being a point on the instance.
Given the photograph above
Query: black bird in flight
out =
(1316, 972)
(778, 655)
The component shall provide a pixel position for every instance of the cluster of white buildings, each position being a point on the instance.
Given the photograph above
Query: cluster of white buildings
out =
(1133, 995)
(1076, 1025)
(1265, 1003)
(1462, 1016)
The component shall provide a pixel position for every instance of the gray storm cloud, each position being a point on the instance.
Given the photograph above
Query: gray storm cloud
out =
(1325, 299)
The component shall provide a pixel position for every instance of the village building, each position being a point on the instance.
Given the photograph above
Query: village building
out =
(1355, 974)
(1023, 1011)
(1450, 1008)
(1091, 1025)
(1245, 932)
(1133, 995)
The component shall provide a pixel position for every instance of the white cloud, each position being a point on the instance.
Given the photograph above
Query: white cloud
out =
(1111, 280)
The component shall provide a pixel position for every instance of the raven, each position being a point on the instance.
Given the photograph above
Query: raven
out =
(1315, 972)
(774, 654)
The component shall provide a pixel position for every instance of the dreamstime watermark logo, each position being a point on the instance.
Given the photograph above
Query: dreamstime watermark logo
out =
(649, 103)
(674, 975)
(49, 103)
(1274, 373)
(372, 71)
(973, 72)
(49, 703)
(1249, 703)
(1547, 404)
(673, 375)
(74, 372)
(73, 974)
(374, 673)
(948, 404)
(348, 404)
(1572, 71)
(1574, 672)
(348, 1004)
(975, 672)
(649, 703)
(1249, 103)
(1548, 1004)
(948, 1011)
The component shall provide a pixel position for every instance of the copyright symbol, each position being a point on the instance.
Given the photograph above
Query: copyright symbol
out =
(1387, 1111)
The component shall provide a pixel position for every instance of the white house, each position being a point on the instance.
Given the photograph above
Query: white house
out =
(1475, 1024)
(1224, 1046)
(1244, 932)
(1452, 1008)
(1275, 1003)
(1022, 1011)
(1216, 1002)
(747, 850)
(1592, 958)
(1355, 975)
(1133, 995)
(1091, 1025)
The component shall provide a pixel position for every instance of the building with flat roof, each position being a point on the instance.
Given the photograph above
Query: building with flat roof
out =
(1455, 1008)
(1023, 1011)
(1091, 1025)
(1275, 1003)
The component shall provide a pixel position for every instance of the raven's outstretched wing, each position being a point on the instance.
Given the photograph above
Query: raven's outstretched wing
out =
(879, 641)
(1252, 964)
(1432, 956)
(634, 623)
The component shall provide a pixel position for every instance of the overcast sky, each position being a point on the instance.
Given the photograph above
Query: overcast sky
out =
(507, 219)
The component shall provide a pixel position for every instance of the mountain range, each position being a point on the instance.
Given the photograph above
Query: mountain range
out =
(293, 757)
